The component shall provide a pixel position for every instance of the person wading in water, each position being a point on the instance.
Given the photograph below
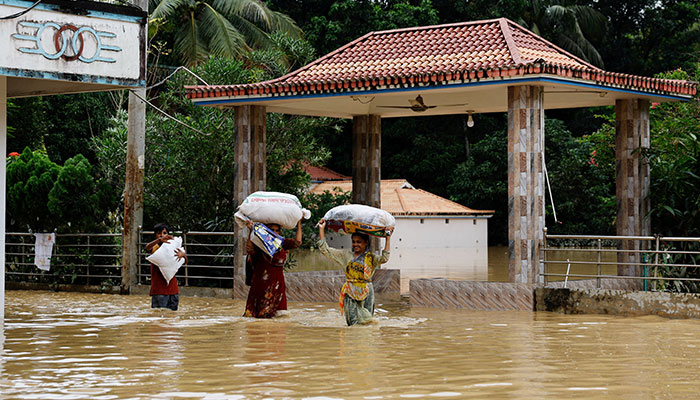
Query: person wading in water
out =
(357, 294)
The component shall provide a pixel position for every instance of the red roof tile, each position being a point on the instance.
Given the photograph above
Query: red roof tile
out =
(324, 174)
(399, 197)
(439, 55)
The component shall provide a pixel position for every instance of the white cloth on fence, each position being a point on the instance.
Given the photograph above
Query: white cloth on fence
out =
(43, 247)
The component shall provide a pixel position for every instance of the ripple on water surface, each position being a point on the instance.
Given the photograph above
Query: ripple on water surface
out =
(87, 346)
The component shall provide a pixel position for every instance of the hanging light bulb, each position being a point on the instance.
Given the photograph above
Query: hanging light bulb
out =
(470, 120)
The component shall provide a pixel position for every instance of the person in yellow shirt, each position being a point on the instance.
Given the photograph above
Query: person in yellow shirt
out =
(357, 294)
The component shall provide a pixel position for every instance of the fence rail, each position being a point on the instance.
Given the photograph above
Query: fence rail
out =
(96, 259)
(77, 258)
(657, 262)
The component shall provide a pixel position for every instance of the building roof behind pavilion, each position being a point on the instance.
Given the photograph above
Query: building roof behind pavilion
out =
(439, 55)
(322, 174)
(399, 197)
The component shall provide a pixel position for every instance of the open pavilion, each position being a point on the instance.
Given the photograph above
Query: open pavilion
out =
(479, 67)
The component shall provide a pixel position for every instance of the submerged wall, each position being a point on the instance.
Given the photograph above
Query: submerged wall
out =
(472, 295)
(617, 302)
(324, 286)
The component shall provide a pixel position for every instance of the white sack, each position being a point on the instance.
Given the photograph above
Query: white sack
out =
(166, 260)
(271, 208)
(362, 214)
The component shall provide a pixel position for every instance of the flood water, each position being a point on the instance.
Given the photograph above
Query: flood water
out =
(87, 346)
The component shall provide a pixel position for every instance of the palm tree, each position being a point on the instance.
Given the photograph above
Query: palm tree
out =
(569, 25)
(218, 27)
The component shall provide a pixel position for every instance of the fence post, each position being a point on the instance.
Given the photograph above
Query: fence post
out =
(545, 270)
(656, 258)
(54, 259)
(139, 271)
(24, 251)
(597, 280)
(88, 259)
(187, 269)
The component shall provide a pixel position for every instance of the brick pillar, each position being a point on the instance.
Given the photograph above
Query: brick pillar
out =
(250, 159)
(632, 184)
(366, 159)
(525, 182)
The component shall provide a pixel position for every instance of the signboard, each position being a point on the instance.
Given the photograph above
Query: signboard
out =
(76, 41)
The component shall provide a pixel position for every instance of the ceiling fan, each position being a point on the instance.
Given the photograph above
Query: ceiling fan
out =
(418, 105)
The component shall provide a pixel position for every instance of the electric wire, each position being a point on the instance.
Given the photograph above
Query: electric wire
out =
(182, 67)
(168, 115)
(19, 14)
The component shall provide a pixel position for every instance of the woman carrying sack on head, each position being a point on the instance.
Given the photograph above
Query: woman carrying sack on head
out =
(357, 294)
(268, 292)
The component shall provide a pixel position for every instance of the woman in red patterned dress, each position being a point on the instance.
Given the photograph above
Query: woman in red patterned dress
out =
(268, 293)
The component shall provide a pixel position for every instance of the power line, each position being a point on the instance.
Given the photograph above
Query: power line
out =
(168, 115)
(182, 67)
(19, 14)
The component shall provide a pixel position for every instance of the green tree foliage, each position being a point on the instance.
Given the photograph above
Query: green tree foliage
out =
(573, 26)
(346, 20)
(450, 11)
(424, 149)
(30, 178)
(76, 199)
(481, 182)
(584, 195)
(62, 126)
(646, 37)
(197, 29)
(581, 188)
(673, 157)
(43, 196)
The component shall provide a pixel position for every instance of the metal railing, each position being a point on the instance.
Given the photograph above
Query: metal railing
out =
(77, 258)
(210, 258)
(654, 260)
(96, 259)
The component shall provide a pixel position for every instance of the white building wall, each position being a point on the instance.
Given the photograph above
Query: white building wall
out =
(431, 247)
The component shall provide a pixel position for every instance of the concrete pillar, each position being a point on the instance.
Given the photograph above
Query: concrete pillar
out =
(632, 184)
(133, 189)
(135, 166)
(3, 188)
(525, 182)
(251, 168)
(366, 159)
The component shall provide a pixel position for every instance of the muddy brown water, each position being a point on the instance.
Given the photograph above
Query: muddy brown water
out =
(88, 346)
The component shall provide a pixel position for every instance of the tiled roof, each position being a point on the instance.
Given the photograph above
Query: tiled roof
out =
(398, 197)
(324, 174)
(439, 55)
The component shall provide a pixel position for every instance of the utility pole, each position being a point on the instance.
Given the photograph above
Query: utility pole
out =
(135, 166)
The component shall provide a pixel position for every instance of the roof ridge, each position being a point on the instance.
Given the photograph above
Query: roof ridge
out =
(510, 42)
(401, 201)
(542, 39)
